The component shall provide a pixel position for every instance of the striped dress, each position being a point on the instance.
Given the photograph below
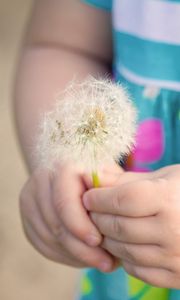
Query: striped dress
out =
(146, 39)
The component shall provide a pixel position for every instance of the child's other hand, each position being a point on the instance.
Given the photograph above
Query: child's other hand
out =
(56, 222)
(140, 219)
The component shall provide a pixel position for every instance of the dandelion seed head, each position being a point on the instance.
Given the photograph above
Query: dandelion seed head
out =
(92, 123)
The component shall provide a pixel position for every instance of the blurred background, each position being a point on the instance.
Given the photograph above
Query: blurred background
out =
(24, 274)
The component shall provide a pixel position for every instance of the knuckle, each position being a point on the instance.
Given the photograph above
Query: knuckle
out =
(174, 265)
(57, 230)
(59, 203)
(47, 238)
(173, 234)
(117, 226)
(116, 200)
(128, 254)
(50, 241)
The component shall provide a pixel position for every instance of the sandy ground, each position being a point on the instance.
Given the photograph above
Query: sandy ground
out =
(24, 274)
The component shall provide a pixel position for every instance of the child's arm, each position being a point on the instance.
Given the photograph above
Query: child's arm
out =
(65, 38)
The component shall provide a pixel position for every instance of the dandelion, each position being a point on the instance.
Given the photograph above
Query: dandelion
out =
(92, 123)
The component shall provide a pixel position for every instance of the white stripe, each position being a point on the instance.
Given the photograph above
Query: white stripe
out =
(139, 80)
(156, 20)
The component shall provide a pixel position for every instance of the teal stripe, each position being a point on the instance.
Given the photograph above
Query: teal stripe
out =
(175, 294)
(103, 4)
(146, 58)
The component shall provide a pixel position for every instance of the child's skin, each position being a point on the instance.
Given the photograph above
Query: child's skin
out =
(56, 222)
(64, 39)
(67, 38)
(140, 220)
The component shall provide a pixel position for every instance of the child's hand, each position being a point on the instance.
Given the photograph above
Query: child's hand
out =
(56, 222)
(140, 219)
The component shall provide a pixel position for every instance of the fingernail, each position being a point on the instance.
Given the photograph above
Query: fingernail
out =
(92, 240)
(105, 266)
(86, 202)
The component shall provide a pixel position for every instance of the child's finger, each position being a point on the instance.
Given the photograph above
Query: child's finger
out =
(65, 247)
(68, 189)
(73, 252)
(43, 198)
(158, 277)
(134, 199)
(128, 230)
(95, 257)
(38, 233)
(53, 253)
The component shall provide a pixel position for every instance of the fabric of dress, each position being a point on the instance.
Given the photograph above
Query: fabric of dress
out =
(146, 36)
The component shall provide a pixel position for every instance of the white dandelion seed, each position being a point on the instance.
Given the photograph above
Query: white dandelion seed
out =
(93, 123)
